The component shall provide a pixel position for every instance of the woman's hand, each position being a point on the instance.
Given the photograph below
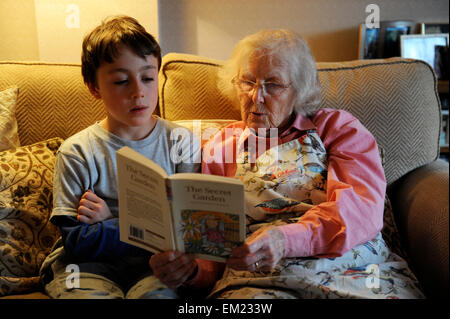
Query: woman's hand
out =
(261, 251)
(92, 209)
(173, 268)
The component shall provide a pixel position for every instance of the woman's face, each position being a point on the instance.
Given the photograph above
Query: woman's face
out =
(269, 107)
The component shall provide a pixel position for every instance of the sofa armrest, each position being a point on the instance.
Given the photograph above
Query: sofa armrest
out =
(420, 203)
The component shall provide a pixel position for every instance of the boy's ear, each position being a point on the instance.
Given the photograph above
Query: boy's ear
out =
(94, 91)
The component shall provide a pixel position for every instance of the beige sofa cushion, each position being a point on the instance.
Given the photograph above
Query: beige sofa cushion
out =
(395, 98)
(187, 89)
(53, 100)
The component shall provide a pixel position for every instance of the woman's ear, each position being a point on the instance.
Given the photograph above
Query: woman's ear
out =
(94, 91)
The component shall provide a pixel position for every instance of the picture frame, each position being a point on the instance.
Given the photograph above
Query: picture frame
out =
(422, 46)
(383, 42)
(444, 138)
(368, 42)
(433, 28)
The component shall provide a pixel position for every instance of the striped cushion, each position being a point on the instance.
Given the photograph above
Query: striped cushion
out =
(53, 100)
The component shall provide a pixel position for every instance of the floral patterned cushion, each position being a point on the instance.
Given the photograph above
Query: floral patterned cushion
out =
(9, 137)
(26, 235)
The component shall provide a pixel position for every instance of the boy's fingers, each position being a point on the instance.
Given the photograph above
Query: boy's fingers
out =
(169, 262)
(162, 259)
(84, 219)
(184, 261)
(89, 204)
(85, 211)
(181, 276)
(89, 195)
(180, 271)
(85, 203)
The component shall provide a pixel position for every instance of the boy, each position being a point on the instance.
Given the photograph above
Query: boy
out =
(120, 64)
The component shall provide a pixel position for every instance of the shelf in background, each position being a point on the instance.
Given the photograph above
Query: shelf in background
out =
(442, 86)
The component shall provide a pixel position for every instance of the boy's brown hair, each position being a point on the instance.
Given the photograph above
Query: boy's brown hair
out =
(102, 44)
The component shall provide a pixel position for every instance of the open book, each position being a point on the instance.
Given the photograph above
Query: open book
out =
(189, 212)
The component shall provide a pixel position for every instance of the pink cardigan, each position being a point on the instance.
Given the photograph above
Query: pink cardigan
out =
(356, 185)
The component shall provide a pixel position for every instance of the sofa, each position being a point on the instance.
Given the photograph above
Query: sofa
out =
(396, 99)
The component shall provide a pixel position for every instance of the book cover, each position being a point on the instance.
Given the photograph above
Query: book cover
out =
(190, 212)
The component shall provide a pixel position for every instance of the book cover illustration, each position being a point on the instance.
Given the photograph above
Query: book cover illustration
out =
(211, 233)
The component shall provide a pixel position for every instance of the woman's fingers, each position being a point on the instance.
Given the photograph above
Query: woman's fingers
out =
(263, 260)
(261, 251)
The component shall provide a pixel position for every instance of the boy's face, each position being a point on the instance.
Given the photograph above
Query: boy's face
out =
(129, 90)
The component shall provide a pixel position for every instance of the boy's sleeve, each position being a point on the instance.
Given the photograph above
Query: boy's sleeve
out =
(96, 242)
(70, 181)
(81, 241)
(356, 185)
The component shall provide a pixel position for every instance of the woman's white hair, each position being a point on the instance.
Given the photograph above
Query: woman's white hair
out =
(293, 53)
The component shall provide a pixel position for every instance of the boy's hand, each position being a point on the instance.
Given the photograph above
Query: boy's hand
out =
(173, 268)
(92, 209)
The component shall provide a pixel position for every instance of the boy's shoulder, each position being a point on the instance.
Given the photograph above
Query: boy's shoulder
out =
(80, 140)
(166, 124)
(174, 129)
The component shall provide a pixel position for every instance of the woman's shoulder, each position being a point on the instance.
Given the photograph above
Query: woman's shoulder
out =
(333, 117)
(333, 125)
(232, 127)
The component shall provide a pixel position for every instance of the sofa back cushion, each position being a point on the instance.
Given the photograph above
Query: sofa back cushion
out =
(395, 99)
(188, 89)
(53, 100)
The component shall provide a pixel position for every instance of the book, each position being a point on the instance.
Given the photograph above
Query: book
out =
(190, 212)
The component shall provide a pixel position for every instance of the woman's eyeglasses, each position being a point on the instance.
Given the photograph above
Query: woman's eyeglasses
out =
(269, 88)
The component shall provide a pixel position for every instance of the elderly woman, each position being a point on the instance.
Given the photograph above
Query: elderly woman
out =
(314, 183)
(314, 188)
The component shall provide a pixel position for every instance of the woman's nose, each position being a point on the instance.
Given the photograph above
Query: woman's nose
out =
(258, 94)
